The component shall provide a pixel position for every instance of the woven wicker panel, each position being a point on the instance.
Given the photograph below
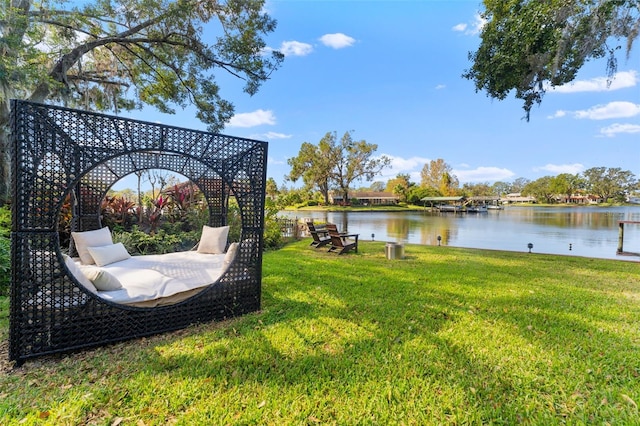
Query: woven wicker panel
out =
(59, 152)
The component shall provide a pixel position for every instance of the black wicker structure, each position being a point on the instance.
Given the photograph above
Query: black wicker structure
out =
(61, 153)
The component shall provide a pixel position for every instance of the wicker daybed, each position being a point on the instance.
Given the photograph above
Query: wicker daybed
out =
(60, 153)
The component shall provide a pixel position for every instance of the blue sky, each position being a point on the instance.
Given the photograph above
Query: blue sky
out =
(390, 72)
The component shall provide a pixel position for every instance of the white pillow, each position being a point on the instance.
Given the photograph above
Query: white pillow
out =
(105, 255)
(231, 253)
(101, 279)
(82, 240)
(78, 275)
(213, 240)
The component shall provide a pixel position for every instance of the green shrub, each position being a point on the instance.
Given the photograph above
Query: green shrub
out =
(234, 220)
(5, 266)
(139, 242)
(5, 221)
(272, 234)
(5, 252)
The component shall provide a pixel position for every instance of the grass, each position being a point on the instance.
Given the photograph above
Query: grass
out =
(445, 336)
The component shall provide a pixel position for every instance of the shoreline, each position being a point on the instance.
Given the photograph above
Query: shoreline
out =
(414, 208)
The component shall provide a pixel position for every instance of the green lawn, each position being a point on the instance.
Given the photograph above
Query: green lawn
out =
(445, 336)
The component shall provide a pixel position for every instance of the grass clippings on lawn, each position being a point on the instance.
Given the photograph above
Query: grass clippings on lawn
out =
(445, 336)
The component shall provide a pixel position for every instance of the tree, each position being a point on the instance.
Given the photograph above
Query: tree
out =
(333, 164)
(529, 45)
(541, 189)
(567, 184)
(437, 175)
(432, 172)
(314, 163)
(609, 182)
(377, 186)
(519, 184)
(158, 177)
(271, 188)
(354, 160)
(417, 193)
(500, 188)
(449, 184)
(400, 185)
(123, 54)
(482, 189)
(291, 197)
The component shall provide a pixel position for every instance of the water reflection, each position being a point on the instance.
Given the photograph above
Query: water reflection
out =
(571, 217)
(578, 231)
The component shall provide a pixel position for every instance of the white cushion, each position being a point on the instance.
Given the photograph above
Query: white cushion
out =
(104, 255)
(213, 240)
(82, 240)
(101, 279)
(78, 275)
(231, 253)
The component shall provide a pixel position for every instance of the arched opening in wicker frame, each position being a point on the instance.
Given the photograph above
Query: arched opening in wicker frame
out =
(59, 152)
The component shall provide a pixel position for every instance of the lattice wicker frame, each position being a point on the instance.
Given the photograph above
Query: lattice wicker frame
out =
(59, 152)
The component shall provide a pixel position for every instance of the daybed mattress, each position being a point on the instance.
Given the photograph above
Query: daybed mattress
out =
(151, 277)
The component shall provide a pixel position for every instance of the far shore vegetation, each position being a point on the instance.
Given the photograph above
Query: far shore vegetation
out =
(413, 207)
(331, 183)
(445, 336)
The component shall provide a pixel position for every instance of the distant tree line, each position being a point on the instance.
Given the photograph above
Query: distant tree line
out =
(609, 184)
(437, 179)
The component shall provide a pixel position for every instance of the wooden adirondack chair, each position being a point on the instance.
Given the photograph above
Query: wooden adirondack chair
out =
(320, 236)
(341, 242)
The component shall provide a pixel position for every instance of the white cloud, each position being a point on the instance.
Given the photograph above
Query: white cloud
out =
(295, 48)
(440, 86)
(559, 114)
(618, 109)
(252, 119)
(412, 166)
(271, 160)
(402, 165)
(269, 136)
(561, 168)
(337, 40)
(614, 129)
(624, 79)
(275, 135)
(621, 80)
(473, 28)
(483, 174)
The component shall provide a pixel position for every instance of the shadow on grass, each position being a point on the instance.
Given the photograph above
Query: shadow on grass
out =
(443, 335)
(479, 339)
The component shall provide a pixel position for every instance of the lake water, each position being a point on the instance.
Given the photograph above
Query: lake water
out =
(574, 231)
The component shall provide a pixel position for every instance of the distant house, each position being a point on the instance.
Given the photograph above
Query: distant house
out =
(516, 197)
(369, 198)
(579, 199)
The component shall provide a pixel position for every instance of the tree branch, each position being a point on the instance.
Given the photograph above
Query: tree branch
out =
(98, 80)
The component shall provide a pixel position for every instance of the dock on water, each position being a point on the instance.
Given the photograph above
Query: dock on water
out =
(621, 224)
